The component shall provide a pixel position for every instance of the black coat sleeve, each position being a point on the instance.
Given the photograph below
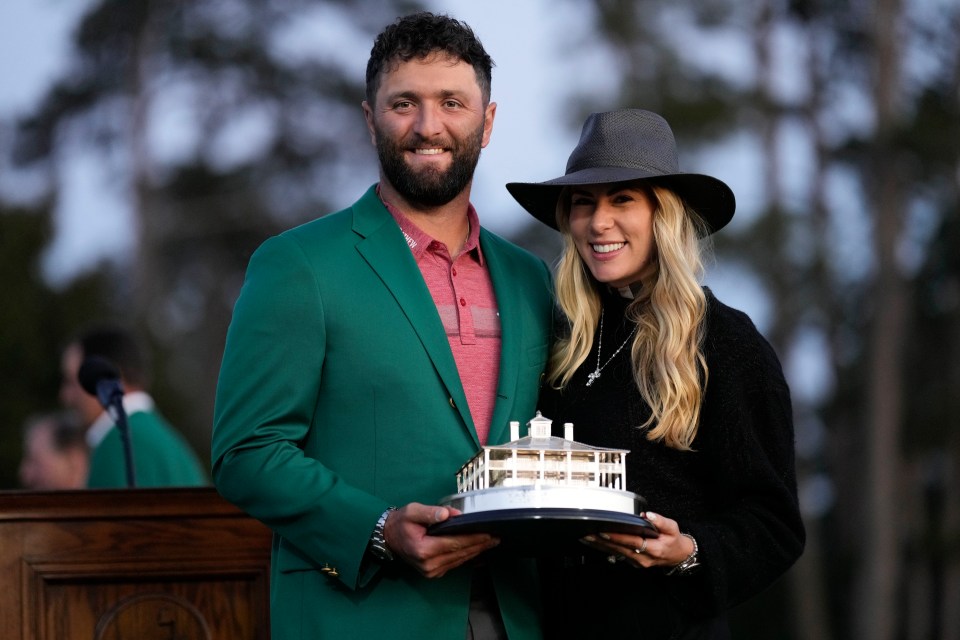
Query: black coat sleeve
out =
(751, 531)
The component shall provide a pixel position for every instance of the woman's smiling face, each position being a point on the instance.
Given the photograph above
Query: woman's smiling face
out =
(612, 228)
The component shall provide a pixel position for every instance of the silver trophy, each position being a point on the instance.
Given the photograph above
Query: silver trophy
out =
(541, 493)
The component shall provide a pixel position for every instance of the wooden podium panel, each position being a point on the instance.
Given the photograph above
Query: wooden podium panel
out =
(131, 564)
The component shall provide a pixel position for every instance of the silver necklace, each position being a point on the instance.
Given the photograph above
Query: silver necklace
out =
(591, 378)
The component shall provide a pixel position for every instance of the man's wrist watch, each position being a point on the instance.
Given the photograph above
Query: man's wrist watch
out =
(692, 561)
(378, 543)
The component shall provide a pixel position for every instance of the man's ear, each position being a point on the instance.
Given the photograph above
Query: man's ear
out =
(488, 115)
(368, 116)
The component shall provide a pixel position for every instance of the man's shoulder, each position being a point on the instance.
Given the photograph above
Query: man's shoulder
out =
(326, 225)
(337, 226)
(149, 416)
(498, 247)
(155, 432)
(329, 227)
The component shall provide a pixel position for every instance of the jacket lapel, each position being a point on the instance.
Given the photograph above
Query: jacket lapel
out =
(511, 346)
(383, 248)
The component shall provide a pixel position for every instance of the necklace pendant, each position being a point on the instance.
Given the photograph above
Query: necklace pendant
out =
(591, 377)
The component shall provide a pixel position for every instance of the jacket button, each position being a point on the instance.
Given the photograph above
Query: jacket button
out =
(452, 403)
(330, 572)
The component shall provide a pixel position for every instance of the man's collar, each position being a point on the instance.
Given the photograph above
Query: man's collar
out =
(419, 241)
(133, 402)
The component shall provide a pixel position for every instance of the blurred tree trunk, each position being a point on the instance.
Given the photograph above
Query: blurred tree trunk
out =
(805, 580)
(876, 616)
(808, 578)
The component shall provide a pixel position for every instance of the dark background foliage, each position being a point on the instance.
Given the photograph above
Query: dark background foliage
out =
(850, 237)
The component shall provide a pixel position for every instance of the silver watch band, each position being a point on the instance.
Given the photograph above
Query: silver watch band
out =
(378, 543)
(691, 562)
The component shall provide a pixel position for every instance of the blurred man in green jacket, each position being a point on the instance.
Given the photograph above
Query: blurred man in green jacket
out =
(161, 455)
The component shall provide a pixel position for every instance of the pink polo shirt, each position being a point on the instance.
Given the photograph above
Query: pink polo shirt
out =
(462, 290)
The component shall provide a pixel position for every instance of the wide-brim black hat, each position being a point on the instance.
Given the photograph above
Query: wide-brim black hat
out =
(626, 145)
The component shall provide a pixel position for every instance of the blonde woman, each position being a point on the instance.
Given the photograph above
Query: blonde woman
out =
(650, 361)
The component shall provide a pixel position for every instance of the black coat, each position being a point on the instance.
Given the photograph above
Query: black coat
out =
(735, 492)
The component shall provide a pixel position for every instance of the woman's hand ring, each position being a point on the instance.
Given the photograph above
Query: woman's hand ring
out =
(643, 547)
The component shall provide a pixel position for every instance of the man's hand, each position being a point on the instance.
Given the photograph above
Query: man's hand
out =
(406, 534)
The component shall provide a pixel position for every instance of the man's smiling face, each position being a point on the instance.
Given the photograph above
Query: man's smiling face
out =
(429, 124)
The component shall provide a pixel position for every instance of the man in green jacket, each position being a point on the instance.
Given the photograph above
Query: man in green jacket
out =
(371, 353)
(162, 457)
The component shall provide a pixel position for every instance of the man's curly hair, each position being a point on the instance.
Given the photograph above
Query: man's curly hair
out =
(417, 36)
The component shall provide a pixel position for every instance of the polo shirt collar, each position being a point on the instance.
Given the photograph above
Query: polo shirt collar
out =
(419, 241)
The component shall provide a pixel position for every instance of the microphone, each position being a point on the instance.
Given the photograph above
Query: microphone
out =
(99, 377)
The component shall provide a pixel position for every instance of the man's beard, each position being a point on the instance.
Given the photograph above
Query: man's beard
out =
(429, 187)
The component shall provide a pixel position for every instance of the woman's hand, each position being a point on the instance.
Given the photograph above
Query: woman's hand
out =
(668, 549)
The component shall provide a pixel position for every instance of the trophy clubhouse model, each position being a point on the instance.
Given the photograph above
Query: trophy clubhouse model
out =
(541, 493)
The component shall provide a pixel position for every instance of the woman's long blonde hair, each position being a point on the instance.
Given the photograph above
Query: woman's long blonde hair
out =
(669, 310)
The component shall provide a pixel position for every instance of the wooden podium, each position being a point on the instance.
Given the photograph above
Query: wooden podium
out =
(131, 564)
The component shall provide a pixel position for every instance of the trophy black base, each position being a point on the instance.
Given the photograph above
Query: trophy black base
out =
(536, 532)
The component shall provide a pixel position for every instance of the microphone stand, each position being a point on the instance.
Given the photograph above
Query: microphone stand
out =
(119, 415)
(99, 377)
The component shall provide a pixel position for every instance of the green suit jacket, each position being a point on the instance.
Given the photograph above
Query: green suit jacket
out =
(161, 456)
(339, 397)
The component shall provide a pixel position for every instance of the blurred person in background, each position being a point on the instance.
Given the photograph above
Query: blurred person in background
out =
(162, 456)
(55, 453)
